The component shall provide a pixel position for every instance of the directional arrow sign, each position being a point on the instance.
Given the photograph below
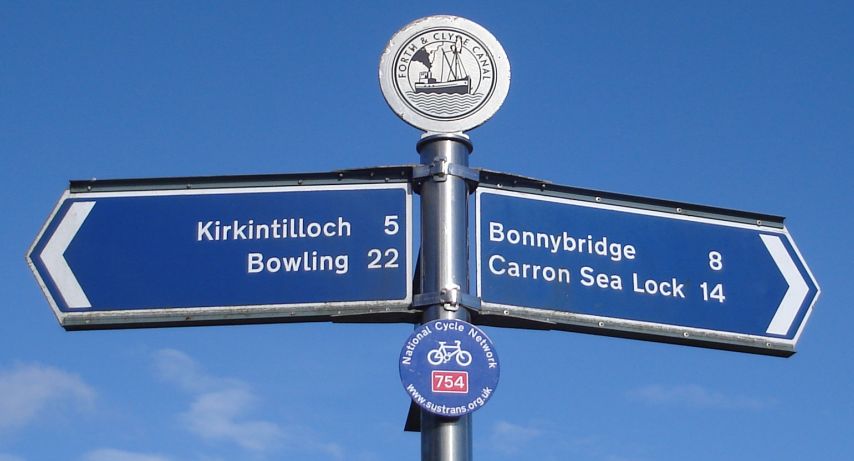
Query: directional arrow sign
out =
(645, 270)
(226, 255)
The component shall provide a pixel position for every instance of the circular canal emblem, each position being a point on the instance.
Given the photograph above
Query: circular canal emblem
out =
(449, 367)
(444, 74)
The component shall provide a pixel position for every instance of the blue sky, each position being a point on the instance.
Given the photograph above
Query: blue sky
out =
(745, 105)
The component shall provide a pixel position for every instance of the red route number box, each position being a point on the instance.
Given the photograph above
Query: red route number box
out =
(453, 382)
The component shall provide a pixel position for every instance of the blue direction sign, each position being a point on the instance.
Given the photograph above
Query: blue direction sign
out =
(226, 255)
(641, 270)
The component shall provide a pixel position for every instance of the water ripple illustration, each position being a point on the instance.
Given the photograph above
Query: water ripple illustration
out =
(444, 104)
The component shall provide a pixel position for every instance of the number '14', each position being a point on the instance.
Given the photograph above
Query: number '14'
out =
(716, 293)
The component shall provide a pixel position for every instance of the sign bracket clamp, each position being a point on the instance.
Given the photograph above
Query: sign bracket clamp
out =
(440, 169)
(452, 298)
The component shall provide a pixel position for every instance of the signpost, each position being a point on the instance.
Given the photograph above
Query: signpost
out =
(154, 257)
(338, 246)
(642, 268)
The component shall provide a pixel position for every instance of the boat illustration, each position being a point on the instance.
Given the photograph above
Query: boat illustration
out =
(445, 71)
(460, 86)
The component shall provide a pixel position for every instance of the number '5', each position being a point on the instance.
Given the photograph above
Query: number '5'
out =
(391, 225)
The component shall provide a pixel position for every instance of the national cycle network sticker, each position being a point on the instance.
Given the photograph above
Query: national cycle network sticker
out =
(449, 367)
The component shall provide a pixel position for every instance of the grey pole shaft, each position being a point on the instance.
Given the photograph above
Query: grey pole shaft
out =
(444, 265)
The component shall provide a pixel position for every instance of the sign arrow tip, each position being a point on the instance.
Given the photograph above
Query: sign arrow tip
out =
(53, 255)
(795, 294)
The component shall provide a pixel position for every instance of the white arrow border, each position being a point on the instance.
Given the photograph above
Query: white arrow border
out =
(795, 294)
(31, 254)
(812, 279)
(53, 255)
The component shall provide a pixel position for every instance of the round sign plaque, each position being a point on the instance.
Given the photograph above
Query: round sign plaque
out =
(444, 74)
(449, 367)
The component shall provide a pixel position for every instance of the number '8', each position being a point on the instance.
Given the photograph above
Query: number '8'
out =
(716, 260)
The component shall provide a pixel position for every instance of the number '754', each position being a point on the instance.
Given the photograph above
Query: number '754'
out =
(454, 382)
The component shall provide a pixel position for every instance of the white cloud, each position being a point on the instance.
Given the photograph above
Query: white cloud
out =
(28, 389)
(221, 411)
(5, 457)
(210, 458)
(179, 368)
(109, 454)
(217, 415)
(509, 438)
(695, 396)
(332, 449)
(219, 405)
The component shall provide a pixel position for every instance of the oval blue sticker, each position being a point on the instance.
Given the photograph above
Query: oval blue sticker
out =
(449, 367)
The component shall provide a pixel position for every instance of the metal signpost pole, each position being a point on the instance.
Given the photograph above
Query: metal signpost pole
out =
(444, 271)
(445, 101)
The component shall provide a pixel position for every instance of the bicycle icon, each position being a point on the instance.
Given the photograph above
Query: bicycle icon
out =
(444, 353)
